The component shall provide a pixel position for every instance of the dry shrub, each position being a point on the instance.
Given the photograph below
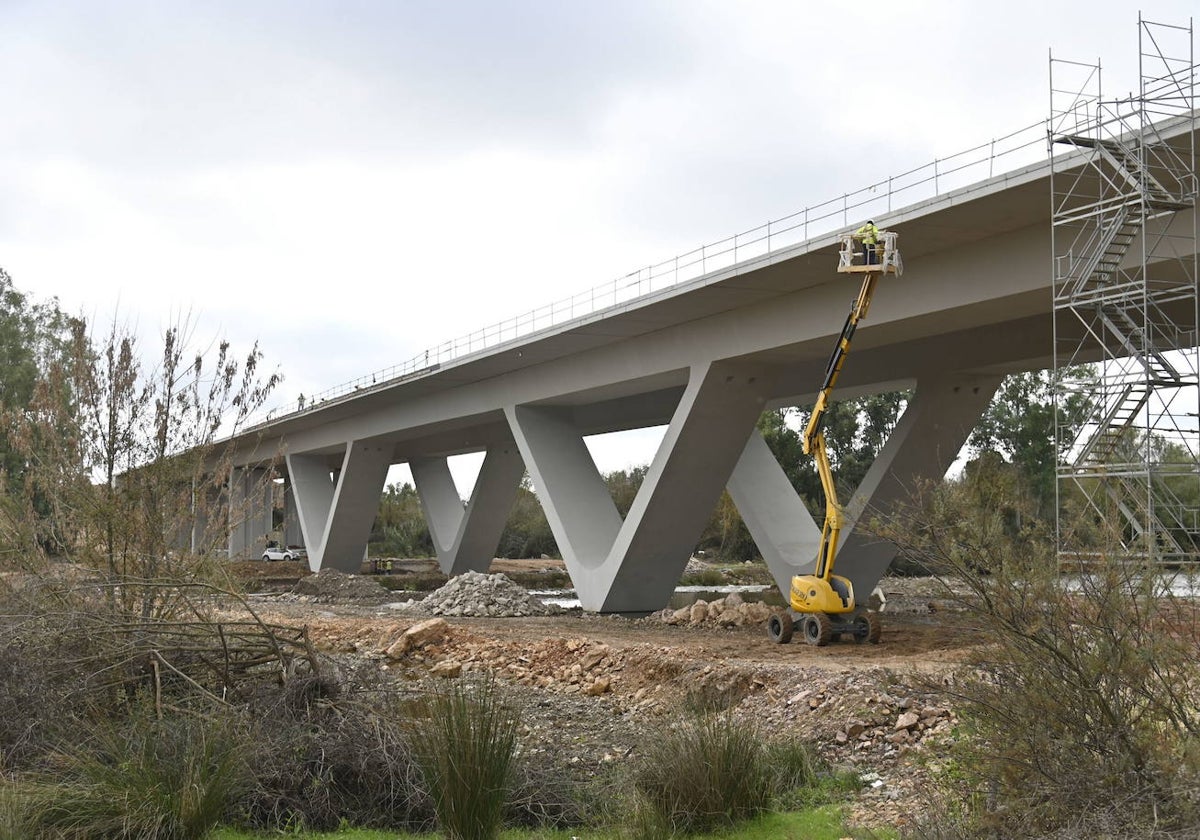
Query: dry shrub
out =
(1080, 712)
(327, 756)
(710, 771)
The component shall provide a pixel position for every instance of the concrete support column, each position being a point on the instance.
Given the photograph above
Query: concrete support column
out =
(924, 444)
(336, 515)
(208, 512)
(633, 566)
(250, 505)
(782, 528)
(465, 538)
(292, 533)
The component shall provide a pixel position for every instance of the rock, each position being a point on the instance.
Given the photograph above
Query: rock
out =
(729, 618)
(593, 657)
(907, 721)
(447, 668)
(734, 599)
(420, 634)
(600, 686)
(681, 616)
(699, 611)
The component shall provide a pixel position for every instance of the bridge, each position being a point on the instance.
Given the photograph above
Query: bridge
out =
(704, 356)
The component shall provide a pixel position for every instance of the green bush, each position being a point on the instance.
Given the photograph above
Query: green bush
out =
(465, 747)
(708, 772)
(152, 780)
(712, 770)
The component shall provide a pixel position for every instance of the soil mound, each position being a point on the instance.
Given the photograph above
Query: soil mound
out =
(329, 586)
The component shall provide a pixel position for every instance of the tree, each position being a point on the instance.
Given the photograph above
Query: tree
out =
(400, 529)
(128, 455)
(527, 533)
(1019, 424)
(855, 432)
(31, 336)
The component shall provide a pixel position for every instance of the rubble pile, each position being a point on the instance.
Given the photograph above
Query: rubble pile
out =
(330, 586)
(479, 594)
(858, 716)
(564, 666)
(730, 611)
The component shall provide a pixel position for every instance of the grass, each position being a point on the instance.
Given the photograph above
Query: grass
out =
(170, 780)
(465, 748)
(823, 823)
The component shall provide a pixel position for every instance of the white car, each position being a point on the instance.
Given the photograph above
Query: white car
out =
(275, 552)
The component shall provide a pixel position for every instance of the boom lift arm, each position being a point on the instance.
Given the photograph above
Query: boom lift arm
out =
(825, 601)
(814, 434)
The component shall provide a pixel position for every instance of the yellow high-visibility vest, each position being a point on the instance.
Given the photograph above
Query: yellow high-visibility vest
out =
(868, 233)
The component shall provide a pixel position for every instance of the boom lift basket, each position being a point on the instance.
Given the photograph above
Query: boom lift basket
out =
(850, 258)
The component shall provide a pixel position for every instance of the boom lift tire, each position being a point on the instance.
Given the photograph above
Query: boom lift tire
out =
(818, 629)
(867, 628)
(779, 627)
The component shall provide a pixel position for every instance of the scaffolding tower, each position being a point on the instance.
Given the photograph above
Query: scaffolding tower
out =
(1126, 362)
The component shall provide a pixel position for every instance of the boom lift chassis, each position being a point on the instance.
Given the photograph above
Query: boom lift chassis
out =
(822, 604)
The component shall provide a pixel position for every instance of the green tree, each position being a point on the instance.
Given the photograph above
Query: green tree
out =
(855, 432)
(32, 336)
(623, 486)
(527, 533)
(400, 529)
(1019, 424)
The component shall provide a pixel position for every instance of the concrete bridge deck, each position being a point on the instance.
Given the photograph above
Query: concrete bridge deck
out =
(705, 358)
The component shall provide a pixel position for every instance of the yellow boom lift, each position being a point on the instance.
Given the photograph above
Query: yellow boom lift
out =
(822, 604)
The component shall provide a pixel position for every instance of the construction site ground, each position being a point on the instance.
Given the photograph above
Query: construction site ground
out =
(594, 688)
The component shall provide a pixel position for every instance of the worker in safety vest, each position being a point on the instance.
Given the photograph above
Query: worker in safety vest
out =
(868, 235)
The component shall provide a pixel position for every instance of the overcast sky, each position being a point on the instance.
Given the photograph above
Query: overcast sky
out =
(351, 182)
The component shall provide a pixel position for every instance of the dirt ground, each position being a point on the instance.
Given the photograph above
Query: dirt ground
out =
(594, 687)
(922, 629)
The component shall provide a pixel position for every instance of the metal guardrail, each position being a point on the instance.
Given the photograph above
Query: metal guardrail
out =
(1023, 146)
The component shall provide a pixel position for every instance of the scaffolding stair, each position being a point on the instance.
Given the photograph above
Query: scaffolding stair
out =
(1128, 164)
(1152, 370)
(1139, 345)
(1101, 255)
(1112, 427)
(1133, 500)
(1091, 276)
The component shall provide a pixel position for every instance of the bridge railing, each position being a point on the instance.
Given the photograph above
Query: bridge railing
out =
(747, 249)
